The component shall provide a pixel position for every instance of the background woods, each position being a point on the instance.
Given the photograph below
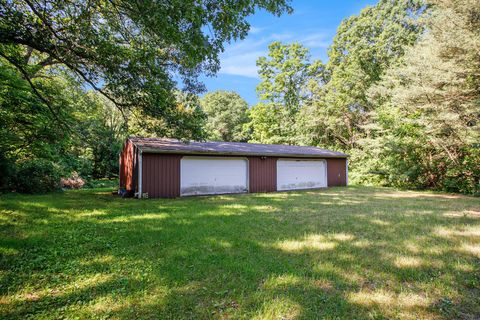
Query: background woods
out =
(400, 91)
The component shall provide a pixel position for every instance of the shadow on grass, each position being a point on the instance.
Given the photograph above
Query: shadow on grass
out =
(368, 253)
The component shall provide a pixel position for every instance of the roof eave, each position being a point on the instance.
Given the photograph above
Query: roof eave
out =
(218, 153)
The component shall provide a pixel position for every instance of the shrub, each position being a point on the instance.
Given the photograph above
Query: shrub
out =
(37, 176)
(7, 173)
(74, 182)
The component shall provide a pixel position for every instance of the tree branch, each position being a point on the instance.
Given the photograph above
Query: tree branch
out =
(27, 56)
(35, 90)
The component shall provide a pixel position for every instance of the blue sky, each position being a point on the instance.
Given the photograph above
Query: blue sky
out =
(313, 24)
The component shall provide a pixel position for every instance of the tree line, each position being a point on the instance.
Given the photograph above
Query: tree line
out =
(77, 77)
(400, 92)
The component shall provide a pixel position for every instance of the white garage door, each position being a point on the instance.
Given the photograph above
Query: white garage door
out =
(301, 174)
(202, 175)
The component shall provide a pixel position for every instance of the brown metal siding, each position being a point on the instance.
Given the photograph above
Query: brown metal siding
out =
(127, 162)
(262, 174)
(161, 175)
(337, 170)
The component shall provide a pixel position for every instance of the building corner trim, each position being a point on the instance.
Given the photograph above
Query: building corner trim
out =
(140, 171)
(346, 173)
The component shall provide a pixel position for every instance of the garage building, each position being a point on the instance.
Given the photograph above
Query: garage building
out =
(168, 168)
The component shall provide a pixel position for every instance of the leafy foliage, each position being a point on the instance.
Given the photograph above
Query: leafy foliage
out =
(431, 104)
(77, 77)
(27, 124)
(131, 57)
(400, 94)
(77, 131)
(87, 131)
(400, 91)
(365, 46)
(226, 115)
(37, 176)
(287, 77)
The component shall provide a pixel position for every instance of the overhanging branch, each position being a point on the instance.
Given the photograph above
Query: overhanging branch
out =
(34, 89)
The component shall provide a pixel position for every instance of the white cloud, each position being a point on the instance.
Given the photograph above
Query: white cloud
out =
(241, 63)
(240, 57)
(317, 40)
(255, 30)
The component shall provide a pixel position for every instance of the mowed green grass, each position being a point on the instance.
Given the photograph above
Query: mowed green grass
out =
(339, 253)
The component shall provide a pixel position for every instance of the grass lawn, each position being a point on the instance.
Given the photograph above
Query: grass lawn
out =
(340, 253)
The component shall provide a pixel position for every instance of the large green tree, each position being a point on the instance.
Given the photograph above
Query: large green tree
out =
(136, 56)
(428, 116)
(84, 127)
(364, 47)
(26, 125)
(226, 113)
(287, 75)
(130, 51)
(93, 153)
(26, 122)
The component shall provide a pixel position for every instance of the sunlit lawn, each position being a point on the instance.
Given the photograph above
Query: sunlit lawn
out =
(341, 253)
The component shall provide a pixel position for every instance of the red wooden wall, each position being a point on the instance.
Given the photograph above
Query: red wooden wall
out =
(161, 175)
(127, 165)
(262, 174)
(337, 172)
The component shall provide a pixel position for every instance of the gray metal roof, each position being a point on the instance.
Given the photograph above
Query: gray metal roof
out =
(164, 145)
